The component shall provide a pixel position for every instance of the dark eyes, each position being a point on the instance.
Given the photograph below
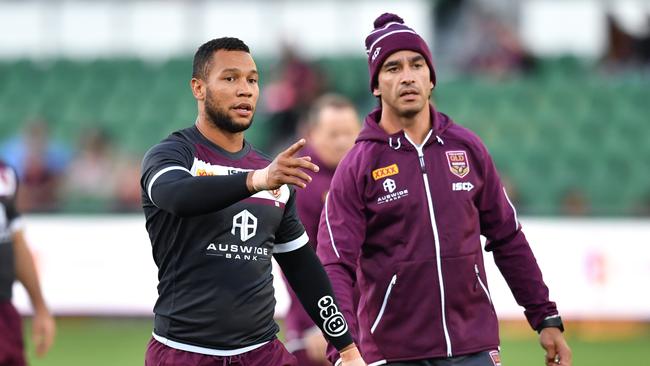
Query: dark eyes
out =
(394, 69)
(231, 79)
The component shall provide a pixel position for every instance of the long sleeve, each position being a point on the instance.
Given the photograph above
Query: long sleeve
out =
(169, 184)
(309, 281)
(512, 253)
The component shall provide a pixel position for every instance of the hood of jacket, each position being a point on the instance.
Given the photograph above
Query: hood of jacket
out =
(371, 130)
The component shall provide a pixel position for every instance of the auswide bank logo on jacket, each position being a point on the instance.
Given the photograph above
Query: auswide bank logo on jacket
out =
(406, 220)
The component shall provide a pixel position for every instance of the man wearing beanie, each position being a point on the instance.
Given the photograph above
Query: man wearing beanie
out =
(403, 219)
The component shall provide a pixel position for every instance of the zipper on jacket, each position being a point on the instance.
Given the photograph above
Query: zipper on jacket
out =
(422, 167)
(383, 305)
(480, 282)
(432, 217)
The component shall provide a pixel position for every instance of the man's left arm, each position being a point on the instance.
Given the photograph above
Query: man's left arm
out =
(308, 279)
(43, 326)
(516, 262)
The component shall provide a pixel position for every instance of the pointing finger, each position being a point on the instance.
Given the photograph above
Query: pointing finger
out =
(294, 148)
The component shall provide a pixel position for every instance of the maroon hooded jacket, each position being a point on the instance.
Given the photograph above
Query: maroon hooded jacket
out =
(403, 223)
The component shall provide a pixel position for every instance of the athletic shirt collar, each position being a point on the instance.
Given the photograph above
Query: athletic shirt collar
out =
(232, 156)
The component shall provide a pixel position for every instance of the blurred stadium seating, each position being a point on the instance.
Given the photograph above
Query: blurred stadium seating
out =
(569, 126)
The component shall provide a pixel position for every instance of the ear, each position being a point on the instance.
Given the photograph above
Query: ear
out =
(431, 82)
(198, 88)
(376, 92)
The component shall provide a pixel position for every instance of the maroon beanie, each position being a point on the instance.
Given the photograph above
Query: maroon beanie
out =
(389, 36)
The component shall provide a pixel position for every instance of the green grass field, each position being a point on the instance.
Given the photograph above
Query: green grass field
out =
(122, 341)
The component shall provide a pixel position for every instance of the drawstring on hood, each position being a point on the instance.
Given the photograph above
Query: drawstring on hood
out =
(399, 143)
(371, 130)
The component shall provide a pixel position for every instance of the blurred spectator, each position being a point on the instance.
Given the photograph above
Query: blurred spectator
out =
(496, 49)
(287, 98)
(574, 203)
(128, 195)
(90, 179)
(625, 48)
(100, 178)
(479, 41)
(39, 162)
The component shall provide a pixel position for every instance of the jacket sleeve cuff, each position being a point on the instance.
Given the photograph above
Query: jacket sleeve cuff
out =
(552, 321)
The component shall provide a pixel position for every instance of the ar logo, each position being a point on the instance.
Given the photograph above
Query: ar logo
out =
(389, 185)
(246, 223)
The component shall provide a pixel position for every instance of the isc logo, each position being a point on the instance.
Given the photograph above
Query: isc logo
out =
(462, 186)
(333, 322)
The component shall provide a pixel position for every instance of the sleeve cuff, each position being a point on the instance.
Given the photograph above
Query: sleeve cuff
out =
(291, 245)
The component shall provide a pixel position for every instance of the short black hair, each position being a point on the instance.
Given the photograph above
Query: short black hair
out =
(203, 55)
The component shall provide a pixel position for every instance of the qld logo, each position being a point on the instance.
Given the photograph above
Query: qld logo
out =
(333, 322)
(458, 163)
(246, 223)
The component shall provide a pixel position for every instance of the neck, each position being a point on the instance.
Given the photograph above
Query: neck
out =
(416, 127)
(231, 142)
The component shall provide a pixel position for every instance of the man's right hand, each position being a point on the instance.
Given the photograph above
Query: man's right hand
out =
(557, 350)
(284, 169)
(43, 330)
(350, 356)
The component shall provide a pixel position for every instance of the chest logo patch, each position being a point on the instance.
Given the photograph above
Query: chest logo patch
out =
(246, 223)
(458, 163)
(393, 193)
(384, 172)
(389, 185)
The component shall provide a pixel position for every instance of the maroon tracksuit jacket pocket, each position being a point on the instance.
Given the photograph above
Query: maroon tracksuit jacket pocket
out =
(471, 318)
(410, 321)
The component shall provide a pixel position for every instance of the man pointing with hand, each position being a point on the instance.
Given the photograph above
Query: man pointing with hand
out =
(216, 211)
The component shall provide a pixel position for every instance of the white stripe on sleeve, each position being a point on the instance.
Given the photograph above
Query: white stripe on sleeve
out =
(291, 245)
(161, 172)
(329, 228)
(513, 208)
